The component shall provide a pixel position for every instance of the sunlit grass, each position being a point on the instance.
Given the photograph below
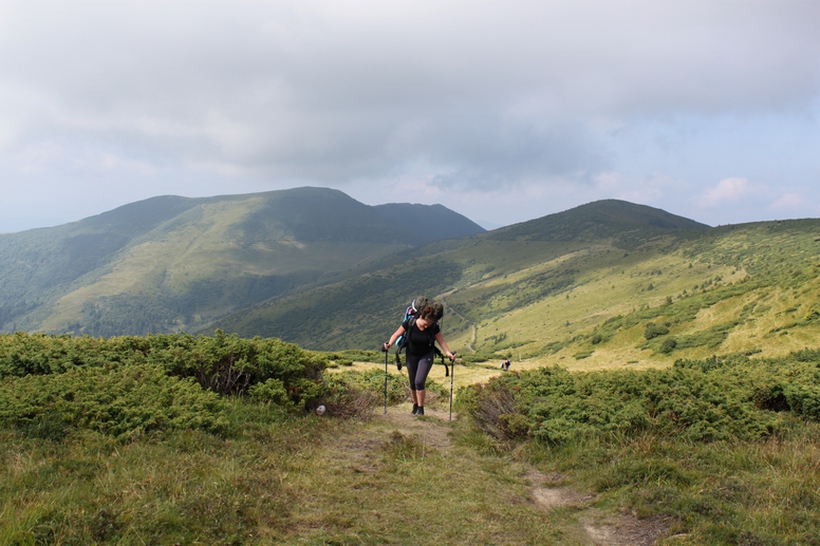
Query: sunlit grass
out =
(185, 487)
(765, 492)
(307, 482)
(320, 480)
(406, 492)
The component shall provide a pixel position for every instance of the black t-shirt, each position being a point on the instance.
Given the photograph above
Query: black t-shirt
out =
(420, 342)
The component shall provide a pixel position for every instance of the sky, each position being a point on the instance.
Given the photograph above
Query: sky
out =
(501, 110)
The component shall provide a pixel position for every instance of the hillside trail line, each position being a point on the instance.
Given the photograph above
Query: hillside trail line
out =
(546, 491)
(470, 345)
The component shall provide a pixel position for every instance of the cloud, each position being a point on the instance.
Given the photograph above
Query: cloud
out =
(289, 86)
(728, 190)
(461, 96)
(788, 201)
(795, 205)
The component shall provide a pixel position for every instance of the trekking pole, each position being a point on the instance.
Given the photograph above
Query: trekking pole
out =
(385, 379)
(452, 375)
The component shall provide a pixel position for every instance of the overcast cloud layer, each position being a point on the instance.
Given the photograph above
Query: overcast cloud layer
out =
(501, 110)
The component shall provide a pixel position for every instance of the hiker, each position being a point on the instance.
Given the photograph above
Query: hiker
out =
(422, 333)
(506, 365)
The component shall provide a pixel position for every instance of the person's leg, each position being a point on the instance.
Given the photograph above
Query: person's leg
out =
(424, 365)
(412, 367)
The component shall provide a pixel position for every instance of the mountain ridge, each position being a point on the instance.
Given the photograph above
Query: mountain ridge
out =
(596, 220)
(447, 268)
(647, 296)
(606, 283)
(163, 256)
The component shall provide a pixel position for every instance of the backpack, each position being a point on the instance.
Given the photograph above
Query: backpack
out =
(411, 314)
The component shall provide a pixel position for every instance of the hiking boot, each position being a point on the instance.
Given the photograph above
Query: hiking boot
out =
(415, 409)
(420, 411)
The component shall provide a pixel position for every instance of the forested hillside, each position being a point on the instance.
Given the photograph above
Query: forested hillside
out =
(171, 263)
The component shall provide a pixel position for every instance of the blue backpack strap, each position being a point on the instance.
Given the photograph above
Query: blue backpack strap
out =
(401, 342)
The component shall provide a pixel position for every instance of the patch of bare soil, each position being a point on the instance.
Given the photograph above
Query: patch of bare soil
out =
(548, 493)
(618, 530)
(427, 428)
(548, 490)
(624, 530)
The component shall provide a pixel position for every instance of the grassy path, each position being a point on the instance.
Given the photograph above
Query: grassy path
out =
(398, 479)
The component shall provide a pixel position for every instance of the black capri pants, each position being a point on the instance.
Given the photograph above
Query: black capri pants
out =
(418, 367)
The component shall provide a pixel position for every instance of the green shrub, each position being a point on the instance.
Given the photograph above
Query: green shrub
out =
(40, 354)
(654, 330)
(272, 390)
(228, 364)
(709, 400)
(668, 345)
(493, 408)
(478, 357)
(124, 401)
(225, 364)
(356, 394)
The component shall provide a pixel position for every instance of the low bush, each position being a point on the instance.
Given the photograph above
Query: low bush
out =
(357, 355)
(129, 386)
(483, 356)
(668, 345)
(354, 395)
(709, 400)
(225, 364)
(654, 330)
(228, 364)
(124, 402)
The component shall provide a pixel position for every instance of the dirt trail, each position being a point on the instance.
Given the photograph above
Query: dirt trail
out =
(546, 491)
(470, 346)
(428, 430)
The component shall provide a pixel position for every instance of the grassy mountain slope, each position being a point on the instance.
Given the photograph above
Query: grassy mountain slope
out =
(599, 220)
(632, 286)
(172, 263)
(427, 223)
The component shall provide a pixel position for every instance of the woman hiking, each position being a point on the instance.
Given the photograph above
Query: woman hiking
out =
(422, 333)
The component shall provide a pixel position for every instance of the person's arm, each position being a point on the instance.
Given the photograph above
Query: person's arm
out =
(443, 345)
(394, 337)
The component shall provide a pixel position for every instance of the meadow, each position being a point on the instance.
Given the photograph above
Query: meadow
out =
(174, 439)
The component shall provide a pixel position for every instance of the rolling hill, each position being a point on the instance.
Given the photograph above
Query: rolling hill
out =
(608, 283)
(172, 263)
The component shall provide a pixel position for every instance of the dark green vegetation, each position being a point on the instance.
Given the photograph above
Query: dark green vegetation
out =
(127, 387)
(170, 439)
(697, 401)
(169, 263)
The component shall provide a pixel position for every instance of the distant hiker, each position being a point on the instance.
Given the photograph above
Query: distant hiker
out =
(506, 365)
(422, 333)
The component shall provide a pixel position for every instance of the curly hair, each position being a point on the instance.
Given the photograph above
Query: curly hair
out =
(429, 314)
